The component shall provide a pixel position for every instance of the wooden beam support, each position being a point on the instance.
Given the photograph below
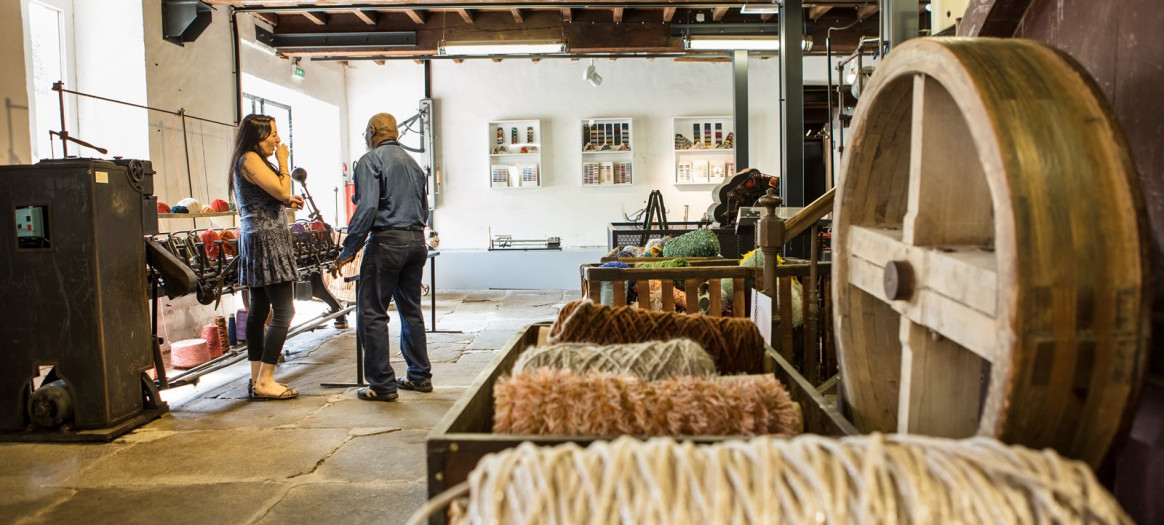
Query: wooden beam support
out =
(465, 15)
(319, 19)
(416, 16)
(816, 12)
(864, 12)
(567, 15)
(617, 15)
(668, 13)
(378, 62)
(766, 17)
(517, 16)
(368, 18)
(343, 63)
(269, 18)
(717, 14)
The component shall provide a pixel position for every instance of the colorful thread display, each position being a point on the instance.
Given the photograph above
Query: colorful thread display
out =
(650, 361)
(734, 343)
(565, 403)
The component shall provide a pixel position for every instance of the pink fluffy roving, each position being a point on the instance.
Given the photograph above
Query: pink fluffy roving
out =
(561, 402)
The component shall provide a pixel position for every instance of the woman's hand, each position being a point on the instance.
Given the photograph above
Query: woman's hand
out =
(295, 202)
(282, 153)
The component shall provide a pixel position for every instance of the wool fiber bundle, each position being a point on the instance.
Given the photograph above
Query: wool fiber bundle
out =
(651, 360)
(565, 403)
(734, 343)
(810, 479)
(698, 243)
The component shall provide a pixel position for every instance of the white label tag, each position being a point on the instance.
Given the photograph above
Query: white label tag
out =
(102, 177)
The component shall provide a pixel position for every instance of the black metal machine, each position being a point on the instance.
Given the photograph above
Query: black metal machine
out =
(73, 263)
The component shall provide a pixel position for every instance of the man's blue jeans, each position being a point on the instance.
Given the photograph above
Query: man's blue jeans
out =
(392, 268)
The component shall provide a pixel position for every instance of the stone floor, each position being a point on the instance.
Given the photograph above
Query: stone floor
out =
(326, 457)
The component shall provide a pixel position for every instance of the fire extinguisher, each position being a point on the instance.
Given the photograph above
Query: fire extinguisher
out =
(349, 194)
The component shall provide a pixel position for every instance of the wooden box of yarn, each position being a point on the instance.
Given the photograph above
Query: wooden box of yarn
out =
(465, 434)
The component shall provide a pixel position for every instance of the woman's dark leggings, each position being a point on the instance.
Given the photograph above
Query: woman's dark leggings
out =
(280, 297)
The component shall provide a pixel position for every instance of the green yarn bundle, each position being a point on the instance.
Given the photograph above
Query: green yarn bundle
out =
(673, 263)
(699, 243)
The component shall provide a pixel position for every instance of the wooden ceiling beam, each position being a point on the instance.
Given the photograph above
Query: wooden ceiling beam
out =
(567, 16)
(617, 15)
(378, 62)
(270, 18)
(465, 15)
(668, 13)
(517, 16)
(867, 11)
(717, 14)
(319, 19)
(416, 16)
(815, 13)
(368, 18)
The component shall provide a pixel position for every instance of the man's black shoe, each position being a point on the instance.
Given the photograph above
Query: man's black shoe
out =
(367, 394)
(415, 386)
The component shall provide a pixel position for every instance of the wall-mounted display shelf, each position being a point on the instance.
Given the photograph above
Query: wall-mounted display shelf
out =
(607, 156)
(515, 154)
(704, 152)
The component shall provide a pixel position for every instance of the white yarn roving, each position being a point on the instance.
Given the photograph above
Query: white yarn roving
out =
(650, 361)
(808, 479)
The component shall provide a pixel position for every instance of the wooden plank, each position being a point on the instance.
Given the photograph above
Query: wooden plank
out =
(465, 15)
(691, 291)
(668, 295)
(517, 16)
(619, 293)
(594, 291)
(416, 16)
(379, 62)
(717, 14)
(820, 415)
(814, 13)
(319, 19)
(864, 12)
(271, 19)
(368, 18)
(668, 13)
(643, 289)
(567, 15)
(941, 385)
(715, 298)
(739, 290)
(616, 15)
(784, 296)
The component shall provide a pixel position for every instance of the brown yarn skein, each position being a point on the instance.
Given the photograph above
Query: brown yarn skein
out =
(734, 343)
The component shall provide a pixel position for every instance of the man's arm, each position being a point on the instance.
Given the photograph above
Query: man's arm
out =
(367, 200)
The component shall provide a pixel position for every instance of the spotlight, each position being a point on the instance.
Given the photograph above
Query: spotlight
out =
(591, 75)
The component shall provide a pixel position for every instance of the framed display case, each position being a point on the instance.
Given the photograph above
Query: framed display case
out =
(607, 152)
(515, 154)
(704, 152)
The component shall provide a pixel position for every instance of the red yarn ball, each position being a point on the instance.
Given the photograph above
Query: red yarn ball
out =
(163, 207)
(227, 247)
(208, 243)
(220, 205)
(318, 226)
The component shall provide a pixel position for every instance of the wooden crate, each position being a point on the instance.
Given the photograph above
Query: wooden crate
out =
(465, 434)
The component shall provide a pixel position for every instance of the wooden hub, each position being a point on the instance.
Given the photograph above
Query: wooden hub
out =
(990, 251)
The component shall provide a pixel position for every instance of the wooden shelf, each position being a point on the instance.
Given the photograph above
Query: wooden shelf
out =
(196, 215)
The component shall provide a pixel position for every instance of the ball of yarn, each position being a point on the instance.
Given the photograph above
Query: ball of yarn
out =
(699, 243)
(213, 343)
(207, 209)
(178, 208)
(672, 263)
(875, 479)
(318, 226)
(209, 243)
(650, 360)
(228, 247)
(190, 203)
(232, 207)
(563, 402)
(189, 353)
(219, 205)
(298, 228)
(163, 207)
(735, 343)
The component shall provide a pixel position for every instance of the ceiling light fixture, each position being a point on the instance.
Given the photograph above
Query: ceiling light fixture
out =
(728, 43)
(591, 75)
(501, 48)
(760, 9)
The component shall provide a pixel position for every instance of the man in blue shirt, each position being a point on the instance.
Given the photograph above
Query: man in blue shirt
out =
(391, 213)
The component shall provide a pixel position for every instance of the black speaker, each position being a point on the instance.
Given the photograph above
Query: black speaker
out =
(184, 20)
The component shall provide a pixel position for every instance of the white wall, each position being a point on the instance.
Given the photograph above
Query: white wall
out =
(15, 146)
(470, 94)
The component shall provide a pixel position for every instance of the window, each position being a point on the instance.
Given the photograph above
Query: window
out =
(280, 112)
(50, 57)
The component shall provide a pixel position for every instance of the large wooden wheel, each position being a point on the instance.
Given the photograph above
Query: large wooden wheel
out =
(990, 252)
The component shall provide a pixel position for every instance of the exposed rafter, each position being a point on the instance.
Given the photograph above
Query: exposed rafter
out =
(416, 16)
(319, 19)
(617, 16)
(717, 13)
(864, 12)
(270, 19)
(567, 15)
(378, 62)
(815, 13)
(517, 16)
(368, 18)
(668, 13)
(465, 15)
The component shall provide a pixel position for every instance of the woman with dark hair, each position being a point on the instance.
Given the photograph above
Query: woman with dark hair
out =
(266, 251)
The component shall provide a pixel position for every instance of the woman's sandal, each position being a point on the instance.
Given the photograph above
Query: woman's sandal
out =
(251, 387)
(289, 393)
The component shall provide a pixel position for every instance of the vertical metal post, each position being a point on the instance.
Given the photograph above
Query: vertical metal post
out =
(792, 107)
(60, 87)
(740, 108)
(899, 21)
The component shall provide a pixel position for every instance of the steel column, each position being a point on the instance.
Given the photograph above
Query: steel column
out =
(740, 108)
(792, 105)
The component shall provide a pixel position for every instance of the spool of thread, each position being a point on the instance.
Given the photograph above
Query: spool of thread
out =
(190, 203)
(240, 328)
(223, 338)
(219, 205)
(189, 353)
(650, 361)
(299, 229)
(178, 208)
(563, 402)
(209, 243)
(213, 345)
(163, 207)
(231, 330)
(735, 343)
(207, 209)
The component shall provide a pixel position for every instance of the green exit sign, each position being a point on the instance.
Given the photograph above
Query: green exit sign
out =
(298, 71)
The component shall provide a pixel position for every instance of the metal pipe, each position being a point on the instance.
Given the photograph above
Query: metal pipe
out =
(841, 98)
(64, 130)
(131, 104)
(186, 147)
(234, 44)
